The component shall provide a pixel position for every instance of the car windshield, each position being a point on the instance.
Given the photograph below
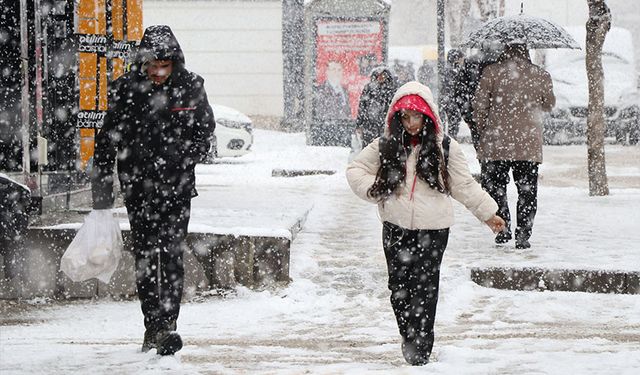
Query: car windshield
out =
(561, 60)
(617, 49)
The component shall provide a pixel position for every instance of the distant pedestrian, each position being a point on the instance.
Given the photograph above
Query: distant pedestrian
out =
(450, 102)
(404, 71)
(467, 84)
(157, 128)
(428, 75)
(508, 107)
(374, 102)
(411, 174)
(15, 200)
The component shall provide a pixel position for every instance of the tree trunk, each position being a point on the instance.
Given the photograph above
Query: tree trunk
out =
(457, 16)
(598, 25)
(490, 9)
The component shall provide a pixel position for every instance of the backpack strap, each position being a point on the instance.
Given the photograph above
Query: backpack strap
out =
(446, 142)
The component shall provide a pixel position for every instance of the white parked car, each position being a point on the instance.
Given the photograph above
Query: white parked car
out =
(568, 120)
(233, 135)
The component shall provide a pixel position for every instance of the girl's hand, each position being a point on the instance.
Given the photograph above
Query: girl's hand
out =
(496, 223)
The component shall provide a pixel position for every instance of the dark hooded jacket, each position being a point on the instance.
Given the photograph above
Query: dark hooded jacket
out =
(468, 78)
(374, 103)
(157, 132)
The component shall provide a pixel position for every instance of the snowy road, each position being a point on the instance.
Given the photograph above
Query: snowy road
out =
(335, 317)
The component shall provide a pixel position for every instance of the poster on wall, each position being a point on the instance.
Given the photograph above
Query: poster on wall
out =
(346, 51)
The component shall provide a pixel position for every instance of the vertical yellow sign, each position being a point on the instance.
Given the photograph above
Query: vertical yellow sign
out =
(134, 20)
(92, 47)
(105, 39)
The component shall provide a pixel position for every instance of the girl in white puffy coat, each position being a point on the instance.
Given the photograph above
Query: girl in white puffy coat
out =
(405, 173)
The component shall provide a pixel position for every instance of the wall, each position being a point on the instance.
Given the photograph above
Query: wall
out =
(235, 45)
(413, 22)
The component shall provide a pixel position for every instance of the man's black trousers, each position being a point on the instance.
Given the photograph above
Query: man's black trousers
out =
(413, 264)
(158, 230)
(495, 177)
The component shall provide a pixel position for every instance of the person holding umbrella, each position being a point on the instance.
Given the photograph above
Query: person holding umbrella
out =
(507, 108)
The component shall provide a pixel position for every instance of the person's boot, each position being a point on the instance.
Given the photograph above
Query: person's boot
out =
(149, 340)
(503, 237)
(522, 244)
(522, 239)
(168, 341)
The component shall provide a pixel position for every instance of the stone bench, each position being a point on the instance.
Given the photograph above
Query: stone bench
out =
(216, 258)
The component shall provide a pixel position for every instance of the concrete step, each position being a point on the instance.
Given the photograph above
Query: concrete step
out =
(566, 280)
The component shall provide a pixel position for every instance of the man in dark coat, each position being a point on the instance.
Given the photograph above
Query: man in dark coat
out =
(466, 85)
(158, 127)
(374, 103)
(450, 102)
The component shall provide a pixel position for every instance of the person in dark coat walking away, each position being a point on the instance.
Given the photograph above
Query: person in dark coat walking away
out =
(450, 102)
(467, 84)
(158, 126)
(374, 102)
(508, 106)
(411, 174)
(428, 75)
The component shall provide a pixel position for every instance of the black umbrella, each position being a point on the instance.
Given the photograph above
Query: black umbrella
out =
(535, 32)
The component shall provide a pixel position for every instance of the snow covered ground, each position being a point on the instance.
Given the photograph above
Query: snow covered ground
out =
(335, 317)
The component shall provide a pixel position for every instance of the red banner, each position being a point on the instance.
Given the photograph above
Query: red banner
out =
(346, 51)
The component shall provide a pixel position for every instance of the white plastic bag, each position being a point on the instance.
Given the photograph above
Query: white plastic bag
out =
(96, 249)
(356, 145)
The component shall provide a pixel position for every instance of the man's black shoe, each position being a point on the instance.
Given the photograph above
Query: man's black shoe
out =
(149, 340)
(522, 244)
(169, 342)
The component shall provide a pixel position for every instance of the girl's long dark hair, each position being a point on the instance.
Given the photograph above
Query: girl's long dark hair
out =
(394, 149)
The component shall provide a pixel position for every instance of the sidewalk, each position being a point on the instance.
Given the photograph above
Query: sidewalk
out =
(335, 318)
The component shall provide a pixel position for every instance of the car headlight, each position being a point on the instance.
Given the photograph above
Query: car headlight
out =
(234, 124)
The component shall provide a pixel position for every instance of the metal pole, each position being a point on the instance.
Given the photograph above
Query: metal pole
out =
(24, 59)
(441, 66)
(39, 91)
(293, 63)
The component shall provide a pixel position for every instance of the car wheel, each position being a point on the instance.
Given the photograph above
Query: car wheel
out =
(621, 136)
(562, 137)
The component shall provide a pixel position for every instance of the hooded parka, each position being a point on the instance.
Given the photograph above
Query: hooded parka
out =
(419, 206)
(158, 132)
